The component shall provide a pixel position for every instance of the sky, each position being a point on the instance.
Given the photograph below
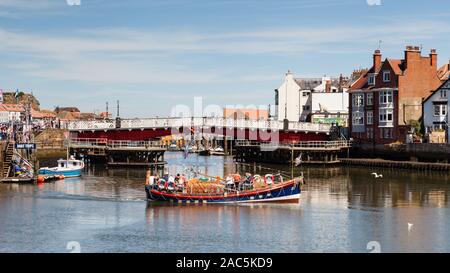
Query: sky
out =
(153, 55)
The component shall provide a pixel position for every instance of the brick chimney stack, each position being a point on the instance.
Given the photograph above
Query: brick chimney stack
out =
(377, 59)
(412, 54)
(328, 86)
(433, 58)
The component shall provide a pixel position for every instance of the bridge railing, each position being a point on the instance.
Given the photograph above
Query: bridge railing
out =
(103, 142)
(167, 123)
(339, 144)
(88, 142)
(119, 144)
(90, 124)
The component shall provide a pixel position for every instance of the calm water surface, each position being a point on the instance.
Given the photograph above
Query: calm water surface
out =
(341, 210)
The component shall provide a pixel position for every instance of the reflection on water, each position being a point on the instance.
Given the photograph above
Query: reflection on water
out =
(341, 209)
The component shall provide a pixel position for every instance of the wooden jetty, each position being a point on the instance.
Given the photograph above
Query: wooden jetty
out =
(18, 180)
(32, 180)
(311, 152)
(119, 152)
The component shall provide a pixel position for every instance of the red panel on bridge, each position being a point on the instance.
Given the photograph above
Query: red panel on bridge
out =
(148, 134)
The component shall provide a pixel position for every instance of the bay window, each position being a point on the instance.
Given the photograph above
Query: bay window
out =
(358, 100)
(358, 118)
(386, 97)
(369, 98)
(386, 115)
(369, 117)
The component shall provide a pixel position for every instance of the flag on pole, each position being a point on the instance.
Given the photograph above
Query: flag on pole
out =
(1, 96)
(298, 160)
(186, 151)
(16, 95)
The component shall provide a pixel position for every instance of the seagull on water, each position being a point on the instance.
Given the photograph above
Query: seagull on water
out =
(377, 175)
(410, 227)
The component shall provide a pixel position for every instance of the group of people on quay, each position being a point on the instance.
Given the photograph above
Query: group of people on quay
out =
(17, 132)
(208, 184)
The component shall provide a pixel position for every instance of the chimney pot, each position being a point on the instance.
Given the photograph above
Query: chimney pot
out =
(433, 58)
(377, 59)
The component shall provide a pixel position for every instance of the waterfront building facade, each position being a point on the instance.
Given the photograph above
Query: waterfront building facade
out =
(319, 100)
(436, 115)
(11, 113)
(386, 102)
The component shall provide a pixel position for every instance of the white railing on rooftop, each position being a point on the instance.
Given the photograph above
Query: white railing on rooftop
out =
(167, 123)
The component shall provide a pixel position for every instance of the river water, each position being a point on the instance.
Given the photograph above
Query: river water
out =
(342, 209)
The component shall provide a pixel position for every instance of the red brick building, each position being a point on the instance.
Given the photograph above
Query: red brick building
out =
(385, 100)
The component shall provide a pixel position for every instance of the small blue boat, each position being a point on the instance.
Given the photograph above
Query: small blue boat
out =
(68, 168)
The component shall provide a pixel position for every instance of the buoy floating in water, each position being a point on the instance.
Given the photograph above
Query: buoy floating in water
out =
(40, 179)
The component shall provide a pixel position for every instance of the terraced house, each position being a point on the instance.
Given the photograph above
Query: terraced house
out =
(386, 101)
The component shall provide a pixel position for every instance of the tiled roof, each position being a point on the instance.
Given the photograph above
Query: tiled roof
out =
(87, 116)
(68, 115)
(311, 83)
(42, 114)
(362, 82)
(397, 66)
(308, 83)
(11, 108)
(444, 72)
(66, 109)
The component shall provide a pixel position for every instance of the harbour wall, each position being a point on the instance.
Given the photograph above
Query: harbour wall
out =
(415, 152)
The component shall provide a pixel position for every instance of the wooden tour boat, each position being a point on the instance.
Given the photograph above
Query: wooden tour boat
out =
(233, 189)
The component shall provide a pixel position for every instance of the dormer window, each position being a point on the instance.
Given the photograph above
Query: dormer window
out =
(371, 80)
(386, 76)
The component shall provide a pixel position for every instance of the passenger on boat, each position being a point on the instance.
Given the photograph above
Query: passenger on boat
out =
(150, 179)
(171, 179)
(248, 183)
(269, 179)
(155, 182)
(180, 180)
(166, 176)
(280, 177)
(229, 182)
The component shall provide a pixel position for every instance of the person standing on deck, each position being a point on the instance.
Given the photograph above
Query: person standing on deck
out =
(151, 182)
(147, 177)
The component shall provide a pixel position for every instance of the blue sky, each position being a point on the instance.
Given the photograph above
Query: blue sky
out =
(153, 55)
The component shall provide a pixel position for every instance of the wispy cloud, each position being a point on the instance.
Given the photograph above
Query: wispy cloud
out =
(121, 55)
(30, 4)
